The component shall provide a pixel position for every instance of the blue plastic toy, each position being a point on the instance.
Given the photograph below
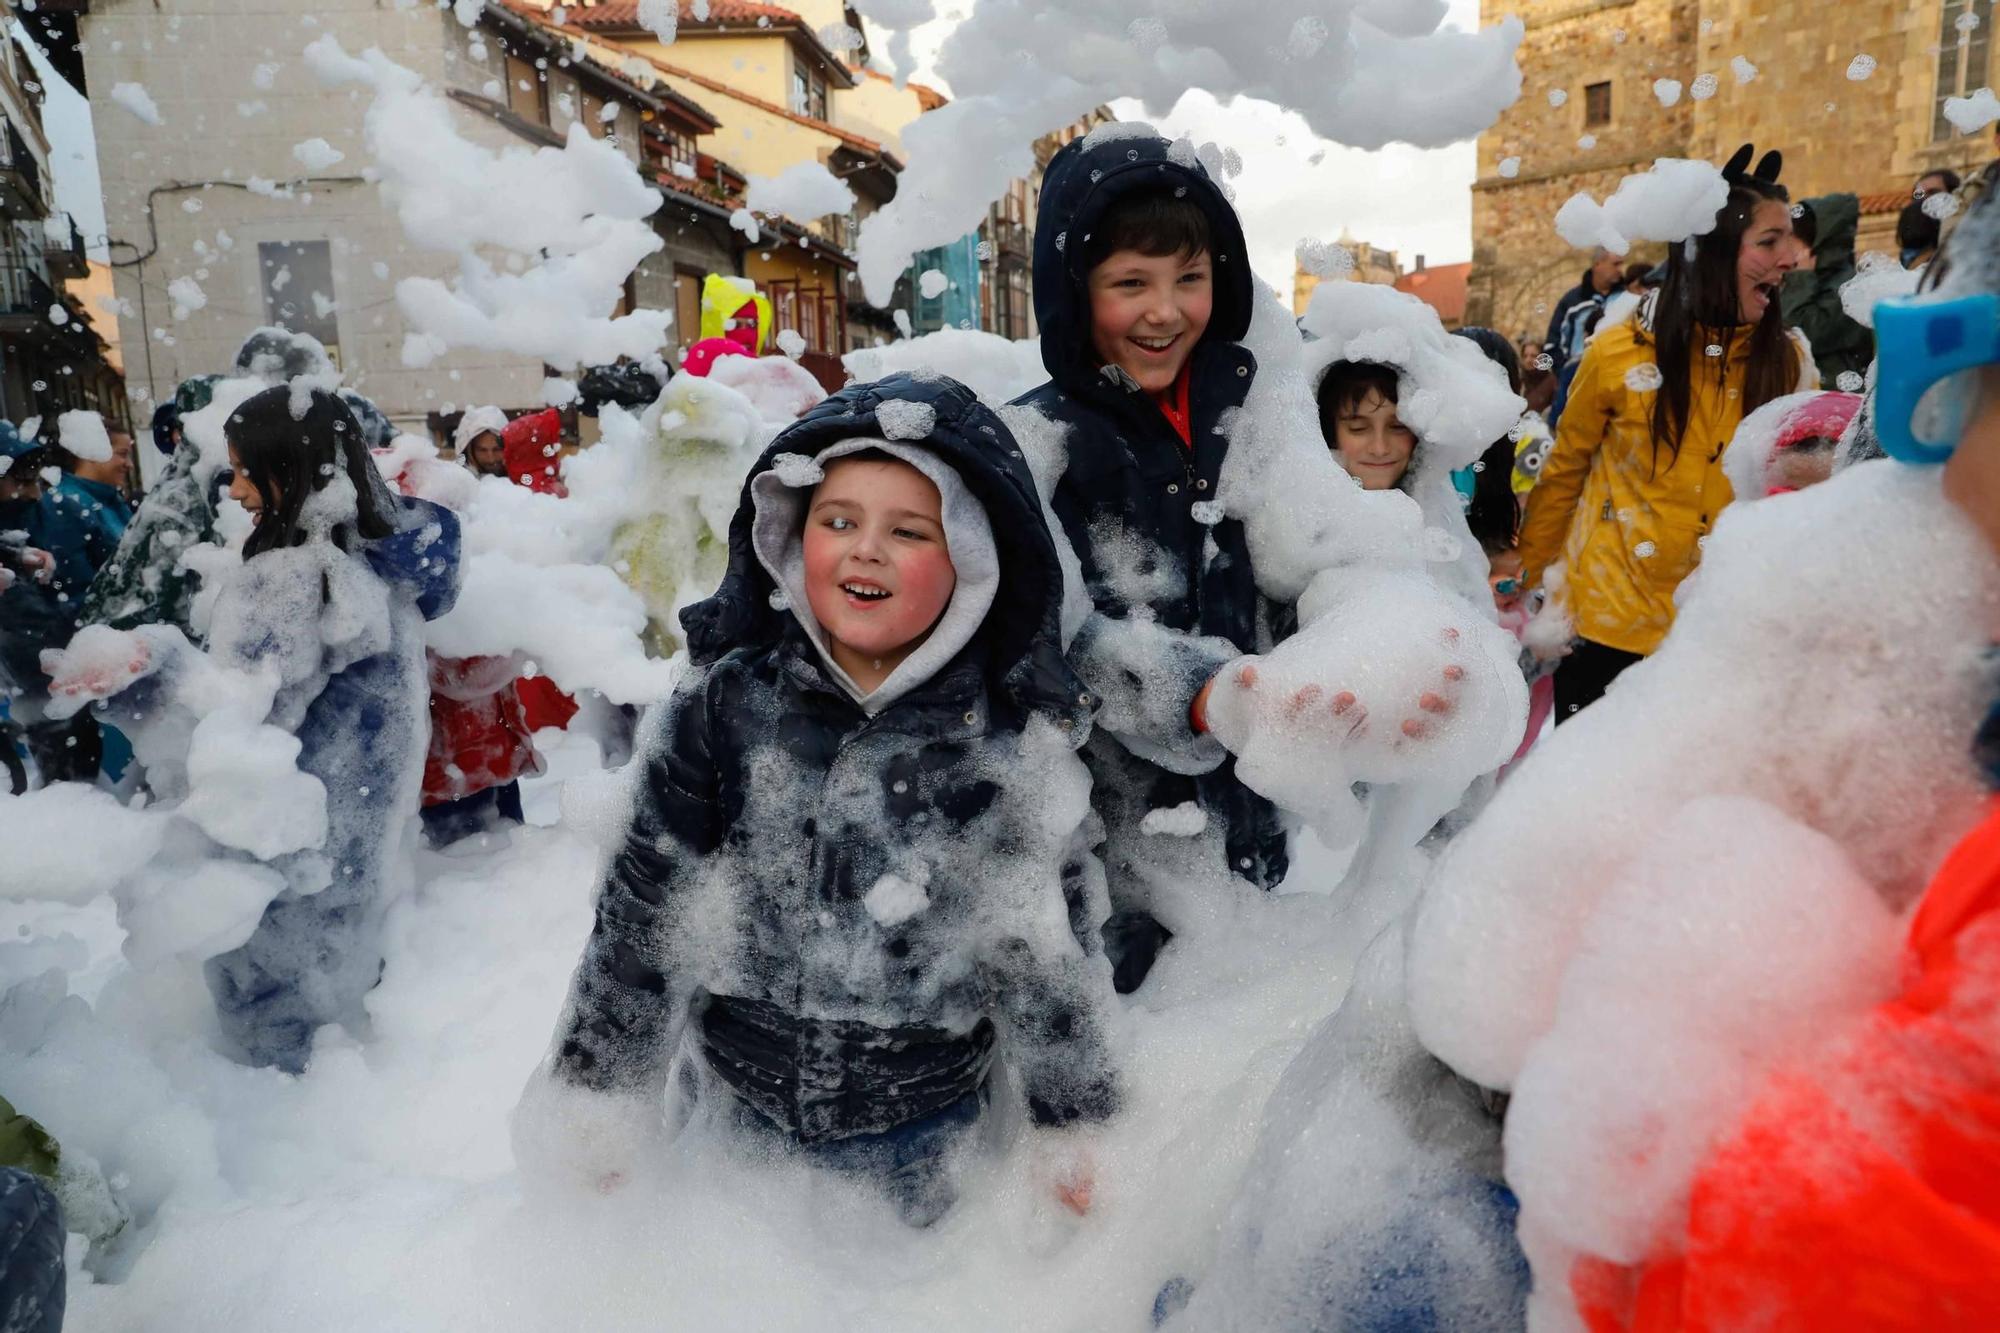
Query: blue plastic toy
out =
(1922, 342)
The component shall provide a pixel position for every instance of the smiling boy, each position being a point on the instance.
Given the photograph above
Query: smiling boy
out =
(1357, 414)
(857, 872)
(1143, 293)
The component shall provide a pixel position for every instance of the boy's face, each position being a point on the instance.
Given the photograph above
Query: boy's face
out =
(1372, 443)
(878, 571)
(1148, 311)
(1807, 463)
(488, 455)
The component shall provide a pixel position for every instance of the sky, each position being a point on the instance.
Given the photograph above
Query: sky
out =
(1410, 200)
(72, 149)
(1413, 201)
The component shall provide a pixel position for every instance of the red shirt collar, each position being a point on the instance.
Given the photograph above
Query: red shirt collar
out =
(1173, 405)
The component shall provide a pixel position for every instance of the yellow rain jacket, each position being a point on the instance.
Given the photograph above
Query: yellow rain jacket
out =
(1630, 535)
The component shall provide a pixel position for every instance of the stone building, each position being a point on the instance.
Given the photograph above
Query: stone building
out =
(214, 195)
(1364, 263)
(1780, 70)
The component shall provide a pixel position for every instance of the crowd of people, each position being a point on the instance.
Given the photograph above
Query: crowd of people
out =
(899, 823)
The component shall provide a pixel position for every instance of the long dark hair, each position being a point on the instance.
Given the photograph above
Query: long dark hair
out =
(289, 456)
(1494, 514)
(1698, 303)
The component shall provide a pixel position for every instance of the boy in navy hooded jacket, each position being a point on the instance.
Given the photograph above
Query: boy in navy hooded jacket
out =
(857, 872)
(1143, 293)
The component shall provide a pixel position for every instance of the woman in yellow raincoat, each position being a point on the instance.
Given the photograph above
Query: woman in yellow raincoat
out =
(1635, 481)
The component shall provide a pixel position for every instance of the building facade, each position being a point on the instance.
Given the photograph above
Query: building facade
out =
(213, 200)
(51, 357)
(1779, 73)
(1364, 263)
(774, 87)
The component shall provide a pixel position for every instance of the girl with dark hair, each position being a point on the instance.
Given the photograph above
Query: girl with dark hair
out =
(336, 579)
(282, 457)
(1493, 513)
(1635, 481)
(1492, 510)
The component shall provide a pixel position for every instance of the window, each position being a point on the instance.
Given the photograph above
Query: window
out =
(592, 115)
(1012, 301)
(1596, 105)
(808, 89)
(813, 312)
(668, 147)
(297, 278)
(527, 90)
(1962, 57)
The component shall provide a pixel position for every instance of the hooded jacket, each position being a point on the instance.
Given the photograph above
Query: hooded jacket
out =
(1630, 529)
(1131, 500)
(147, 581)
(532, 446)
(477, 421)
(32, 615)
(849, 912)
(1812, 297)
(1556, 342)
(80, 523)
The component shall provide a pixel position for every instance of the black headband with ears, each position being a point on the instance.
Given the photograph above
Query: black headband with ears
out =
(1769, 167)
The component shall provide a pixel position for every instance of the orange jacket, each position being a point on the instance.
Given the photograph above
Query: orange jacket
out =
(1862, 1190)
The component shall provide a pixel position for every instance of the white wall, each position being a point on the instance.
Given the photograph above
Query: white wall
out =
(200, 63)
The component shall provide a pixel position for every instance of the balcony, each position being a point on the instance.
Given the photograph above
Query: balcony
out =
(1010, 237)
(20, 178)
(26, 295)
(62, 248)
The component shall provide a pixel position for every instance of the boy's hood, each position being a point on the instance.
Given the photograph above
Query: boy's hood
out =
(1021, 636)
(781, 496)
(1083, 180)
(1839, 218)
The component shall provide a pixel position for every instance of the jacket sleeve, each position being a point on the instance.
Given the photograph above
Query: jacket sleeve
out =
(1056, 1003)
(1144, 675)
(625, 1006)
(1552, 339)
(1147, 677)
(1552, 504)
(1832, 336)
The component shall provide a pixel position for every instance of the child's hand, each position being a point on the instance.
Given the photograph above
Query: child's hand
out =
(1068, 1168)
(1390, 680)
(98, 663)
(571, 1141)
(1241, 703)
(36, 563)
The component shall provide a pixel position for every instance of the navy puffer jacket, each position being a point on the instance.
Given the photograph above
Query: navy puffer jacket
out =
(851, 916)
(1134, 498)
